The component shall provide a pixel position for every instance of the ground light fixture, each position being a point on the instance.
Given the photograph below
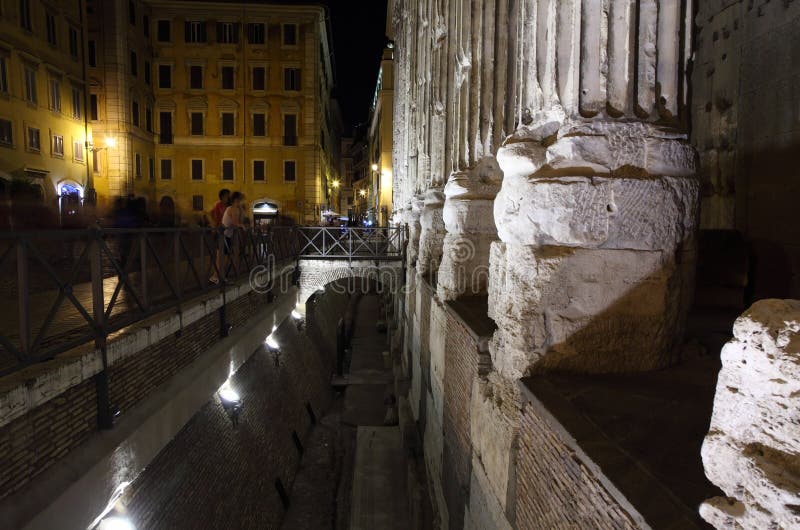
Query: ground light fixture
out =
(231, 402)
(115, 522)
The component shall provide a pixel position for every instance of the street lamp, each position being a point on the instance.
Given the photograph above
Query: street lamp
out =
(374, 167)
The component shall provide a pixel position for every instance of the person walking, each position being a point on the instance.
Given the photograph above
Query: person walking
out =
(232, 220)
(217, 214)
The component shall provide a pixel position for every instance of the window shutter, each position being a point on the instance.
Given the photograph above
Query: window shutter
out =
(187, 31)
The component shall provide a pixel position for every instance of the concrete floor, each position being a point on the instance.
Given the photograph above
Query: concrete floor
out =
(651, 426)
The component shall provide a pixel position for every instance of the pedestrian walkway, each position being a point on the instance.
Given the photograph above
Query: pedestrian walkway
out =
(380, 497)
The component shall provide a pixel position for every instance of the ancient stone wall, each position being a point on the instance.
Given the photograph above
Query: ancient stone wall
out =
(545, 166)
(746, 127)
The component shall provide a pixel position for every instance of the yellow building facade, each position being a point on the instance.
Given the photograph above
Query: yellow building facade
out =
(177, 100)
(378, 188)
(43, 126)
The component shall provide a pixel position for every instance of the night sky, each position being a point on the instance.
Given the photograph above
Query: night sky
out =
(359, 34)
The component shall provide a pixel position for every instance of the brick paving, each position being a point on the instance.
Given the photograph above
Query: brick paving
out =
(215, 476)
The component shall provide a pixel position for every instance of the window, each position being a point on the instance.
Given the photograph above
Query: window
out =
(259, 171)
(3, 75)
(77, 150)
(135, 113)
(256, 33)
(164, 76)
(227, 78)
(57, 148)
(166, 169)
(165, 127)
(50, 19)
(93, 107)
(6, 133)
(76, 103)
(227, 170)
(195, 77)
(197, 123)
(197, 169)
(290, 34)
(147, 70)
(164, 31)
(259, 125)
(146, 25)
(73, 42)
(92, 53)
(134, 64)
(289, 129)
(34, 139)
(148, 119)
(151, 168)
(227, 33)
(137, 164)
(30, 85)
(227, 124)
(25, 14)
(95, 162)
(132, 13)
(194, 32)
(291, 79)
(259, 77)
(289, 171)
(55, 95)
(197, 203)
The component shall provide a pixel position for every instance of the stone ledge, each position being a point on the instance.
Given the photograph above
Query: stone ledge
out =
(35, 385)
(648, 502)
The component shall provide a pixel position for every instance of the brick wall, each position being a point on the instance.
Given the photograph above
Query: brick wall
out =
(32, 443)
(461, 368)
(554, 487)
(423, 315)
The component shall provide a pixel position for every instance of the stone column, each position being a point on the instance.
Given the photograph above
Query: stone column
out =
(433, 231)
(411, 218)
(598, 208)
(469, 220)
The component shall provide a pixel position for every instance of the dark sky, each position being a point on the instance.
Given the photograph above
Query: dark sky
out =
(359, 34)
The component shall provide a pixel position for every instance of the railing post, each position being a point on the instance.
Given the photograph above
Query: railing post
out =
(24, 299)
(143, 264)
(224, 327)
(176, 246)
(105, 419)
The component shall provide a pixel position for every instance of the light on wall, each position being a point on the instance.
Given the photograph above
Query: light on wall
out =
(374, 167)
(115, 523)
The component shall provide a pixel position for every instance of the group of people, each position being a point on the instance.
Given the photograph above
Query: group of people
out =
(228, 214)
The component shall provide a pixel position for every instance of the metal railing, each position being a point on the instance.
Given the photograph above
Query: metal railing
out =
(380, 243)
(65, 288)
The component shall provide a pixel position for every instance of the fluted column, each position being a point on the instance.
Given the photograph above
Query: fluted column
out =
(432, 233)
(598, 208)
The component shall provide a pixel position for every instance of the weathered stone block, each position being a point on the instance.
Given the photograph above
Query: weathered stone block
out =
(585, 310)
(752, 450)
